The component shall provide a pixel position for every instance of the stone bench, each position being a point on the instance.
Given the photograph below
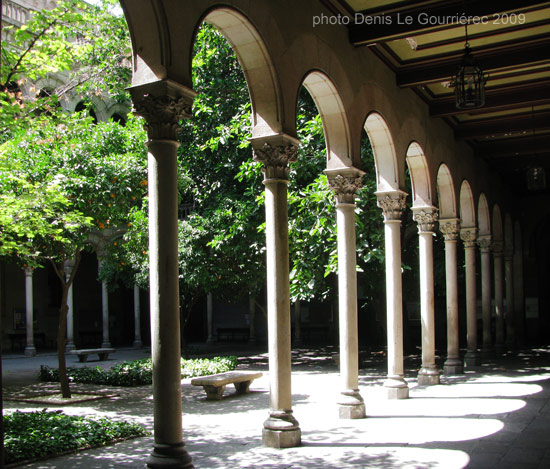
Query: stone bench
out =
(83, 353)
(214, 385)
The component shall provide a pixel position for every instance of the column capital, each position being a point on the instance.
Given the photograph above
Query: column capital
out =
(425, 217)
(163, 104)
(393, 204)
(28, 271)
(450, 228)
(468, 236)
(345, 183)
(275, 152)
(497, 247)
(484, 242)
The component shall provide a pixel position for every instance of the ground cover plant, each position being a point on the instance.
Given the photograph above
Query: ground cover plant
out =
(42, 434)
(138, 372)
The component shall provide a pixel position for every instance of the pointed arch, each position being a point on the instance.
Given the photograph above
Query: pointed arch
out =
(483, 216)
(257, 66)
(420, 176)
(446, 195)
(333, 115)
(383, 148)
(497, 224)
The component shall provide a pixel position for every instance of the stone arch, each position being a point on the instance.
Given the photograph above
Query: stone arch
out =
(508, 233)
(383, 148)
(420, 176)
(483, 216)
(118, 109)
(446, 195)
(257, 66)
(467, 206)
(333, 115)
(497, 224)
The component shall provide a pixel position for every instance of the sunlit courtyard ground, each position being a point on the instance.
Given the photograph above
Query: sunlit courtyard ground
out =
(497, 415)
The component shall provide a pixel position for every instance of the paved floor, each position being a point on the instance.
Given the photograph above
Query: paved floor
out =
(495, 416)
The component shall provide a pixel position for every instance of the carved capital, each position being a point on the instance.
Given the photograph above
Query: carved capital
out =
(276, 159)
(449, 227)
(345, 186)
(484, 243)
(393, 204)
(425, 218)
(497, 247)
(162, 115)
(28, 271)
(468, 237)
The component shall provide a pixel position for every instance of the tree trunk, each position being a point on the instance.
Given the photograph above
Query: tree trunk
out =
(61, 340)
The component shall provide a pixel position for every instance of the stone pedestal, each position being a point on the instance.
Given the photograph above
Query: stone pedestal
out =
(393, 204)
(30, 349)
(426, 218)
(453, 364)
(345, 184)
(281, 429)
(163, 104)
(469, 236)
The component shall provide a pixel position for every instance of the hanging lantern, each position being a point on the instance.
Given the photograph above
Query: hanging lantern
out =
(469, 82)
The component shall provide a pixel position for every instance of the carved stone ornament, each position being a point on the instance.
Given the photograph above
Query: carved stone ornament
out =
(345, 187)
(484, 243)
(276, 159)
(163, 115)
(449, 229)
(393, 205)
(426, 220)
(468, 236)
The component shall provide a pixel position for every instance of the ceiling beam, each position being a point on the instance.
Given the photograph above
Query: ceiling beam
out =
(411, 21)
(442, 70)
(525, 146)
(502, 126)
(503, 99)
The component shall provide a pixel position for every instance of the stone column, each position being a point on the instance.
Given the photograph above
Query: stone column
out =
(499, 301)
(252, 317)
(281, 429)
(163, 104)
(105, 342)
(426, 217)
(210, 318)
(393, 204)
(30, 350)
(484, 242)
(137, 318)
(298, 323)
(469, 236)
(70, 304)
(453, 364)
(519, 300)
(345, 183)
(509, 280)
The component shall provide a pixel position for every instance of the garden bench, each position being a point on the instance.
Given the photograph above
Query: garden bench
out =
(83, 353)
(214, 385)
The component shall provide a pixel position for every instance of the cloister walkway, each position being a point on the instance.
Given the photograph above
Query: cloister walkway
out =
(496, 415)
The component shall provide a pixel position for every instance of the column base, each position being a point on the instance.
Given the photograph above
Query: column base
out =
(70, 346)
(453, 366)
(106, 345)
(351, 405)
(396, 388)
(30, 351)
(471, 359)
(428, 376)
(169, 456)
(137, 344)
(281, 430)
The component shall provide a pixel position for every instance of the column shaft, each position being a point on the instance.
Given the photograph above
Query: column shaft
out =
(499, 301)
(509, 280)
(105, 315)
(30, 350)
(484, 243)
(468, 236)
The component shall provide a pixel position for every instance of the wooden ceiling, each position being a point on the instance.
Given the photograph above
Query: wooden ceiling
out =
(422, 41)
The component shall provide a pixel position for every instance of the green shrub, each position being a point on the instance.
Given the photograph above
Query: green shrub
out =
(138, 372)
(41, 434)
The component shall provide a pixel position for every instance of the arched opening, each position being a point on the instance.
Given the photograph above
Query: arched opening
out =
(446, 193)
(483, 216)
(383, 151)
(86, 108)
(497, 225)
(420, 176)
(467, 208)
